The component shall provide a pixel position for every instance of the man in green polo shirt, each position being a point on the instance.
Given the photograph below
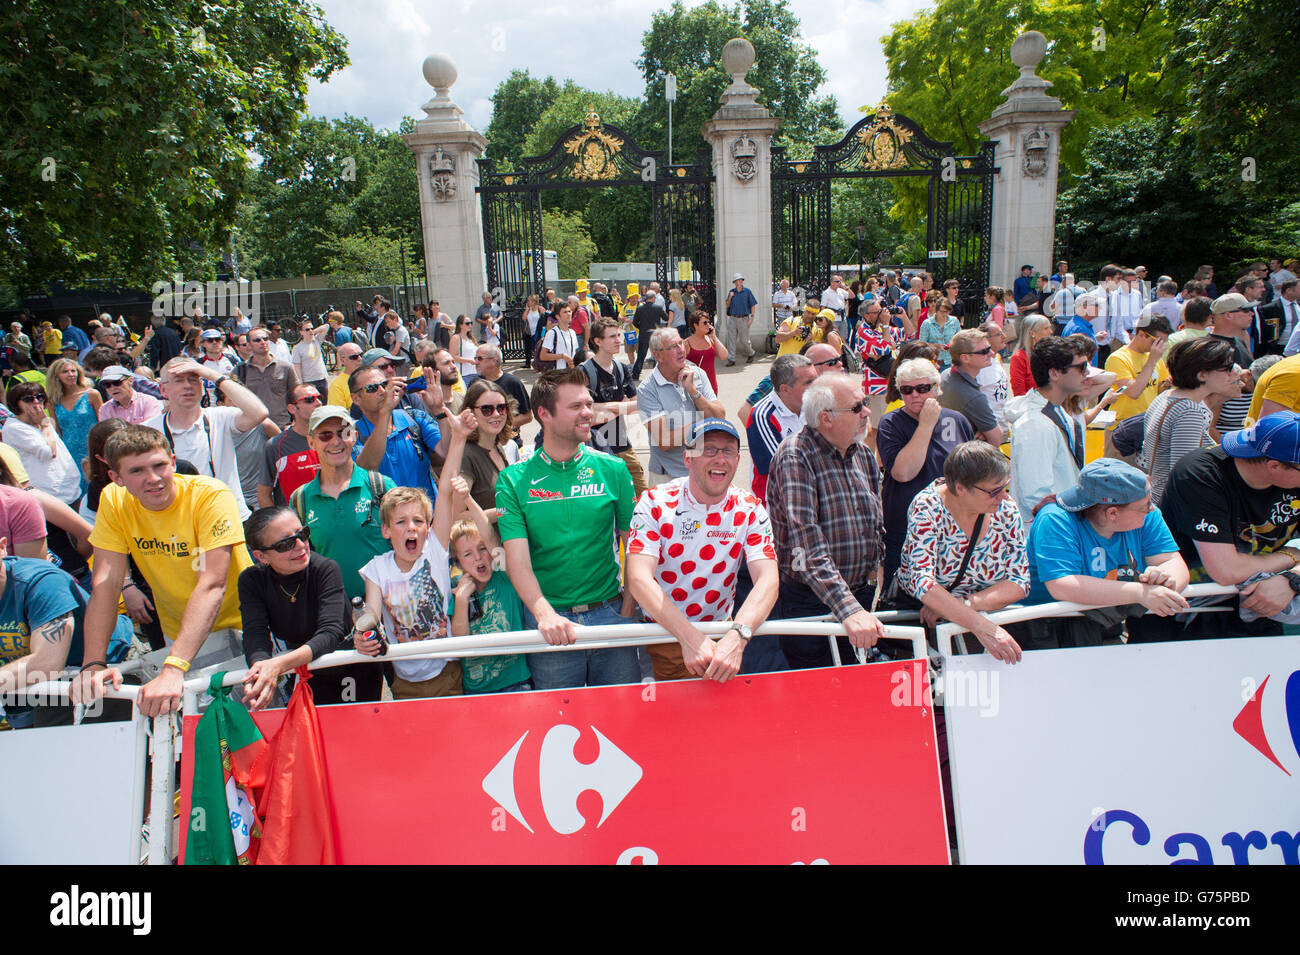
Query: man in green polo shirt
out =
(561, 511)
(340, 509)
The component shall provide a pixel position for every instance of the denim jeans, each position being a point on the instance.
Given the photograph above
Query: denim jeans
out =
(561, 669)
(802, 652)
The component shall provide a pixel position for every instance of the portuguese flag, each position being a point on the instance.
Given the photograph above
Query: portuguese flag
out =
(228, 746)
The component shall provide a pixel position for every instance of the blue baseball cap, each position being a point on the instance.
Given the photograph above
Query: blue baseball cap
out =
(1275, 436)
(1105, 481)
(702, 428)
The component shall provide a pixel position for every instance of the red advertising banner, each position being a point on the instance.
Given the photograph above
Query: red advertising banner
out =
(811, 766)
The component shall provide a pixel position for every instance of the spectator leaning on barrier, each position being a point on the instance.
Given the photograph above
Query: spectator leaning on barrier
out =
(913, 441)
(676, 395)
(186, 536)
(965, 554)
(685, 549)
(824, 500)
(776, 416)
(561, 513)
(1232, 511)
(1048, 445)
(1101, 542)
(1178, 422)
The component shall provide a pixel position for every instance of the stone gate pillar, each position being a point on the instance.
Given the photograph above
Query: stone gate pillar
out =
(1027, 130)
(446, 148)
(740, 134)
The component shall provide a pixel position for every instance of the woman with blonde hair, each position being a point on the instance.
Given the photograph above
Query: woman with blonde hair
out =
(677, 313)
(75, 405)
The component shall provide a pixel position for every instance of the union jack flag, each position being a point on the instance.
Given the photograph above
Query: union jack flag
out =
(871, 345)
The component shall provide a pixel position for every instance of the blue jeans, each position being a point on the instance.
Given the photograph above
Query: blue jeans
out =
(561, 669)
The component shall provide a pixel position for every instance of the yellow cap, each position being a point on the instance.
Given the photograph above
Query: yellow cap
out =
(633, 288)
(827, 314)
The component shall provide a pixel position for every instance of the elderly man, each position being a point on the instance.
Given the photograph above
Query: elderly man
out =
(776, 416)
(123, 400)
(740, 308)
(675, 396)
(349, 361)
(487, 361)
(267, 377)
(783, 303)
(824, 499)
(488, 319)
(684, 577)
(205, 437)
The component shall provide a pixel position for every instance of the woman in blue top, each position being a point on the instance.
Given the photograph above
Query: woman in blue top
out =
(75, 405)
(1101, 543)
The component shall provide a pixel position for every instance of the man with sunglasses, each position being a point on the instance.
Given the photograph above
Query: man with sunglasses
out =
(1139, 364)
(824, 499)
(267, 377)
(776, 416)
(405, 446)
(123, 400)
(288, 462)
(339, 394)
(959, 388)
(1047, 443)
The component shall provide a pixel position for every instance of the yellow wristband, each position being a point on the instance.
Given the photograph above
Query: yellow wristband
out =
(178, 663)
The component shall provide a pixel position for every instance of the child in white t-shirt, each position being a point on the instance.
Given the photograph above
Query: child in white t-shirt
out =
(410, 585)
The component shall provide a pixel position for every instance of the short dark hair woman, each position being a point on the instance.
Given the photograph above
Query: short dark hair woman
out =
(294, 595)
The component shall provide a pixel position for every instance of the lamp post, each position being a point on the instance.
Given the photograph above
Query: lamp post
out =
(670, 97)
(861, 231)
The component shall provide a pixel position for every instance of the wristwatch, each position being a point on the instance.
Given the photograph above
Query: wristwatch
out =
(216, 385)
(440, 417)
(746, 634)
(1293, 579)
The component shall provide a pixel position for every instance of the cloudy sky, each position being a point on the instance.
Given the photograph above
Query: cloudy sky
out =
(389, 39)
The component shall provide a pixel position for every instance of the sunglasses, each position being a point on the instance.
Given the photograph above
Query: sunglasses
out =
(1080, 368)
(915, 389)
(383, 366)
(828, 361)
(997, 491)
(325, 437)
(254, 341)
(307, 400)
(855, 408)
(374, 386)
(36, 398)
(984, 351)
(290, 542)
(491, 411)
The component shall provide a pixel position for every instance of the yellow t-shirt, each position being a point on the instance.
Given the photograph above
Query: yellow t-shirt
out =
(1126, 363)
(338, 391)
(15, 464)
(1281, 384)
(168, 545)
(53, 341)
(793, 344)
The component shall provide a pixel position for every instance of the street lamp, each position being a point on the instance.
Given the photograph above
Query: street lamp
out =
(861, 231)
(670, 97)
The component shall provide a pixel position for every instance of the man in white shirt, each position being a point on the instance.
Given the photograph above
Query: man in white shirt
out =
(835, 298)
(205, 436)
(783, 302)
(560, 344)
(1047, 443)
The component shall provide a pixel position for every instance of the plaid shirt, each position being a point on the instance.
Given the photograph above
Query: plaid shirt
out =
(826, 517)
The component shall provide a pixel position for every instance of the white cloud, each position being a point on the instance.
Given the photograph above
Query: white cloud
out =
(594, 43)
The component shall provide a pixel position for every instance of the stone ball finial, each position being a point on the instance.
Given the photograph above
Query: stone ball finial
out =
(1028, 50)
(439, 71)
(737, 56)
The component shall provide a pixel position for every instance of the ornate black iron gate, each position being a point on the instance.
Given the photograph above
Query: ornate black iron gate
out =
(591, 156)
(959, 226)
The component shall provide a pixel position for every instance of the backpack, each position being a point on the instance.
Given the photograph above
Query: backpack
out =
(597, 439)
(374, 480)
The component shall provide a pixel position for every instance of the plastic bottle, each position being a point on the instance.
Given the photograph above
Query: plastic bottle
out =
(366, 625)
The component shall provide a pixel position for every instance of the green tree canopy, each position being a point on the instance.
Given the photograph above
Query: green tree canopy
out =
(517, 103)
(126, 129)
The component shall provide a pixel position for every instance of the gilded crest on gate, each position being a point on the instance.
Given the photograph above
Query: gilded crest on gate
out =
(883, 141)
(594, 150)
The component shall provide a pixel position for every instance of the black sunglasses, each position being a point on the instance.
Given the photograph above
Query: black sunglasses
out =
(984, 351)
(290, 542)
(918, 389)
(1081, 368)
(855, 408)
(374, 386)
(492, 409)
(828, 361)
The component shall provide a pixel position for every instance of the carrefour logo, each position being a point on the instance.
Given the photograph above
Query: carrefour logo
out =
(562, 779)
(1249, 723)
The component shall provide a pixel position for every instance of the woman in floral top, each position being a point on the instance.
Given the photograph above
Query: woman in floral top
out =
(940, 522)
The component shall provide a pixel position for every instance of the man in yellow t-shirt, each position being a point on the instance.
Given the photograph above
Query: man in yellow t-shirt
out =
(1278, 389)
(53, 342)
(349, 361)
(799, 330)
(185, 535)
(1139, 363)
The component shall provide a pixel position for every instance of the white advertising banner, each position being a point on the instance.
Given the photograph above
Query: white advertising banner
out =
(67, 795)
(1159, 754)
